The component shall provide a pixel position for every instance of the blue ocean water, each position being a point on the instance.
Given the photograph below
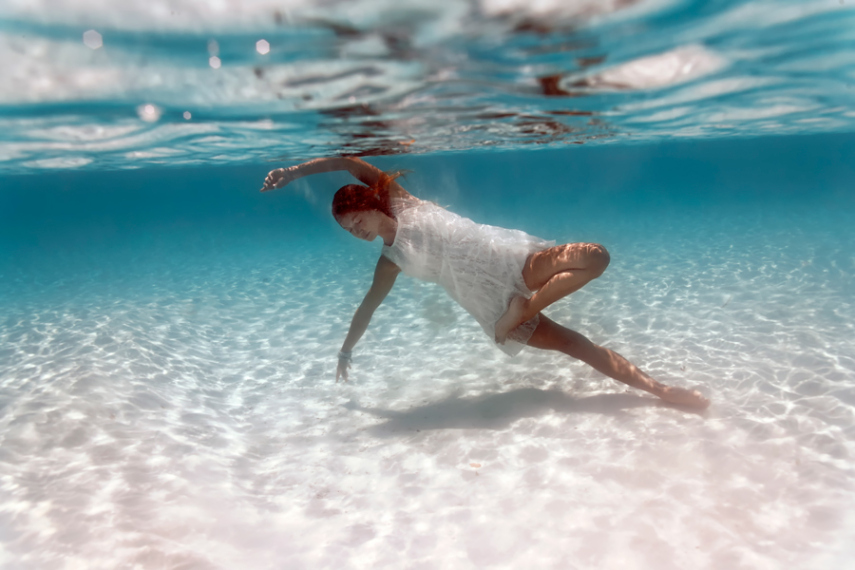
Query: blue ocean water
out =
(168, 334)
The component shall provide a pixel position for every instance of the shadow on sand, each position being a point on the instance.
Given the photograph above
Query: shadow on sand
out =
(497, 411)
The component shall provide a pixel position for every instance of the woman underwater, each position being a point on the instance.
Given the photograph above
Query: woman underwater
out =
(503, 278)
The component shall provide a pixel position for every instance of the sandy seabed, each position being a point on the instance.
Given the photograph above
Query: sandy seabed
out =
(180, 411)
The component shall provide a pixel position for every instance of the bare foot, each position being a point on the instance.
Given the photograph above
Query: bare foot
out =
(683, 397)
(512, 318)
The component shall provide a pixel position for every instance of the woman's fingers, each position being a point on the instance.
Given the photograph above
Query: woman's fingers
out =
(274, 179)
(341, 370)
(268, 185)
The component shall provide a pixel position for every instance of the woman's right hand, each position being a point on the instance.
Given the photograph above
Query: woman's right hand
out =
(278, 178)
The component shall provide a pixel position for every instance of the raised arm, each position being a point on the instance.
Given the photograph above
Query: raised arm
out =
(361, 170)
(384, 278)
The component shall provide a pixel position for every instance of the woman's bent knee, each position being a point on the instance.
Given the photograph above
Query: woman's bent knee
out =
(599, 258)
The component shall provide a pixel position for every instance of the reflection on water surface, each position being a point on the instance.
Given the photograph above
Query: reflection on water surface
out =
(262, 80)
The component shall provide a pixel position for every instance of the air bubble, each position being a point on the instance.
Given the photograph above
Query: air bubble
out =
(149, 112)
(92, 39)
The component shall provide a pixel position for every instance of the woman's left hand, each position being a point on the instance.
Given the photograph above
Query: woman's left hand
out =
(341, 369)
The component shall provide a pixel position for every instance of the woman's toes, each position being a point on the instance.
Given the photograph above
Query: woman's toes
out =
(683, 397)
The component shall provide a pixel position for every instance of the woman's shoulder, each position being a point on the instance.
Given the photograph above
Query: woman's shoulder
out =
(407, 204)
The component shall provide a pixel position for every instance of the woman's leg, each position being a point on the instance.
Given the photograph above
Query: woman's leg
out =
(549, 335)
(553, 273)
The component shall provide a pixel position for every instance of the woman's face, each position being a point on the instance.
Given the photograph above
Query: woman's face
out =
(364, 225)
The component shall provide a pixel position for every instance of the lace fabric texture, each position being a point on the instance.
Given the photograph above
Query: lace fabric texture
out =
(480, 266)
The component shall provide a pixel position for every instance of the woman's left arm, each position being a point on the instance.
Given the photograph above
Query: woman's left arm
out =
(384, 278)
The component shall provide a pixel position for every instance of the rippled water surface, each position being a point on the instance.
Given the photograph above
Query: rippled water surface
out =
(101, 85)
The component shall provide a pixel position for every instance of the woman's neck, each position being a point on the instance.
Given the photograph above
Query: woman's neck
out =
(388, 230)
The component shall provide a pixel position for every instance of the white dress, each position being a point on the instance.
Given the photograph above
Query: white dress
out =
(479, 266)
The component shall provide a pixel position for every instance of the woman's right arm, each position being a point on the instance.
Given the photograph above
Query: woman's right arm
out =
(361, 170)
(384, 278)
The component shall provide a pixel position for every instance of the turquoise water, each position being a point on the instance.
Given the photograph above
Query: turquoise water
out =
(168, 334)
(376, 77)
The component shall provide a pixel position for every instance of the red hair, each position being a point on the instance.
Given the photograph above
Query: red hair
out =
(358, 198)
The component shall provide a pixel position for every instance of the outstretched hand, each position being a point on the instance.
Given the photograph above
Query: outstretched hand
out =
(277, 179)
(341, 369)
